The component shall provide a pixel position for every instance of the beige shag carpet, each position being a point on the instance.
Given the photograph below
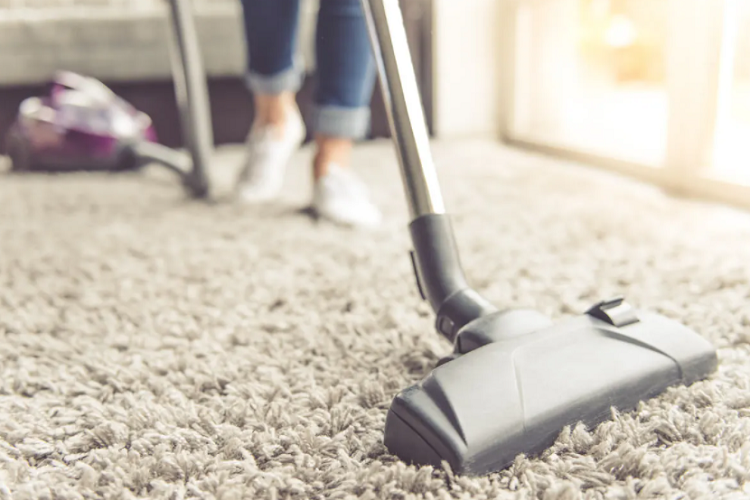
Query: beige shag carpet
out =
(161, 348)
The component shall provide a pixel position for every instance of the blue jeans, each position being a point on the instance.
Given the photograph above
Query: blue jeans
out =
(346, 71)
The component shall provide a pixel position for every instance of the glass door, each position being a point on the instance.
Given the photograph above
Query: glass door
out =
(591, 75)
(730, 159)
(657, 88)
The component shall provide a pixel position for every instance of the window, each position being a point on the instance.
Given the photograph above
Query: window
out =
(655, 88)
(593, 74)
(731, 151)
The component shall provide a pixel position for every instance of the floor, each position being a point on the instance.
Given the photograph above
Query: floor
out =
(156, 347)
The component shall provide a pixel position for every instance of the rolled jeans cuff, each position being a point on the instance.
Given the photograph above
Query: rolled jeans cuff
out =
(340, 121)
(288, 80)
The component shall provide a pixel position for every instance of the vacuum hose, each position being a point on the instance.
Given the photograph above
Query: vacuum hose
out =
(441, 277)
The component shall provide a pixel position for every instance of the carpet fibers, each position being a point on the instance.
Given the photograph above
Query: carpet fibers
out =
(152, 347)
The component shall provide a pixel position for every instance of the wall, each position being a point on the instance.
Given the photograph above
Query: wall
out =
(467, 79)
(121, 40)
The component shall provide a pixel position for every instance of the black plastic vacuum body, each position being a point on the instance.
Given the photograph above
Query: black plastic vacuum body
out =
(515, 379)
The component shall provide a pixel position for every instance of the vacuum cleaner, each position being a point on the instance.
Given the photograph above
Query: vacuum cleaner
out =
(515, 379)
(83, 125)
(80, 125)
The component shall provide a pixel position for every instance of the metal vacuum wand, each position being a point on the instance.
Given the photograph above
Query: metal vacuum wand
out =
(437, 265)
(403, 106)
(192, 93)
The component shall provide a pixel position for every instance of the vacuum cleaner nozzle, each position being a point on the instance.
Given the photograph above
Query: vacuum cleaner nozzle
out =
(514, 379)
(511, 388)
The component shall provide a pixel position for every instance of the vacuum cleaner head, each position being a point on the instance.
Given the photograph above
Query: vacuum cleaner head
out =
(516, 380)
(80, 125)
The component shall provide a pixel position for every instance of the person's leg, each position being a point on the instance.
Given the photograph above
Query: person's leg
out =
(274, 76)
(346, 78)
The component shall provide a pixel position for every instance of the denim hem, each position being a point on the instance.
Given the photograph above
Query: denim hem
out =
(340, 121)
(287, 80)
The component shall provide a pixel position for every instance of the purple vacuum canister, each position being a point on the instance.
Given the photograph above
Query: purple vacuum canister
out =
(80, 125)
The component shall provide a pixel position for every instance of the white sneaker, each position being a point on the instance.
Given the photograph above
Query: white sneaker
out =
(268, 154)
(342, 198)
